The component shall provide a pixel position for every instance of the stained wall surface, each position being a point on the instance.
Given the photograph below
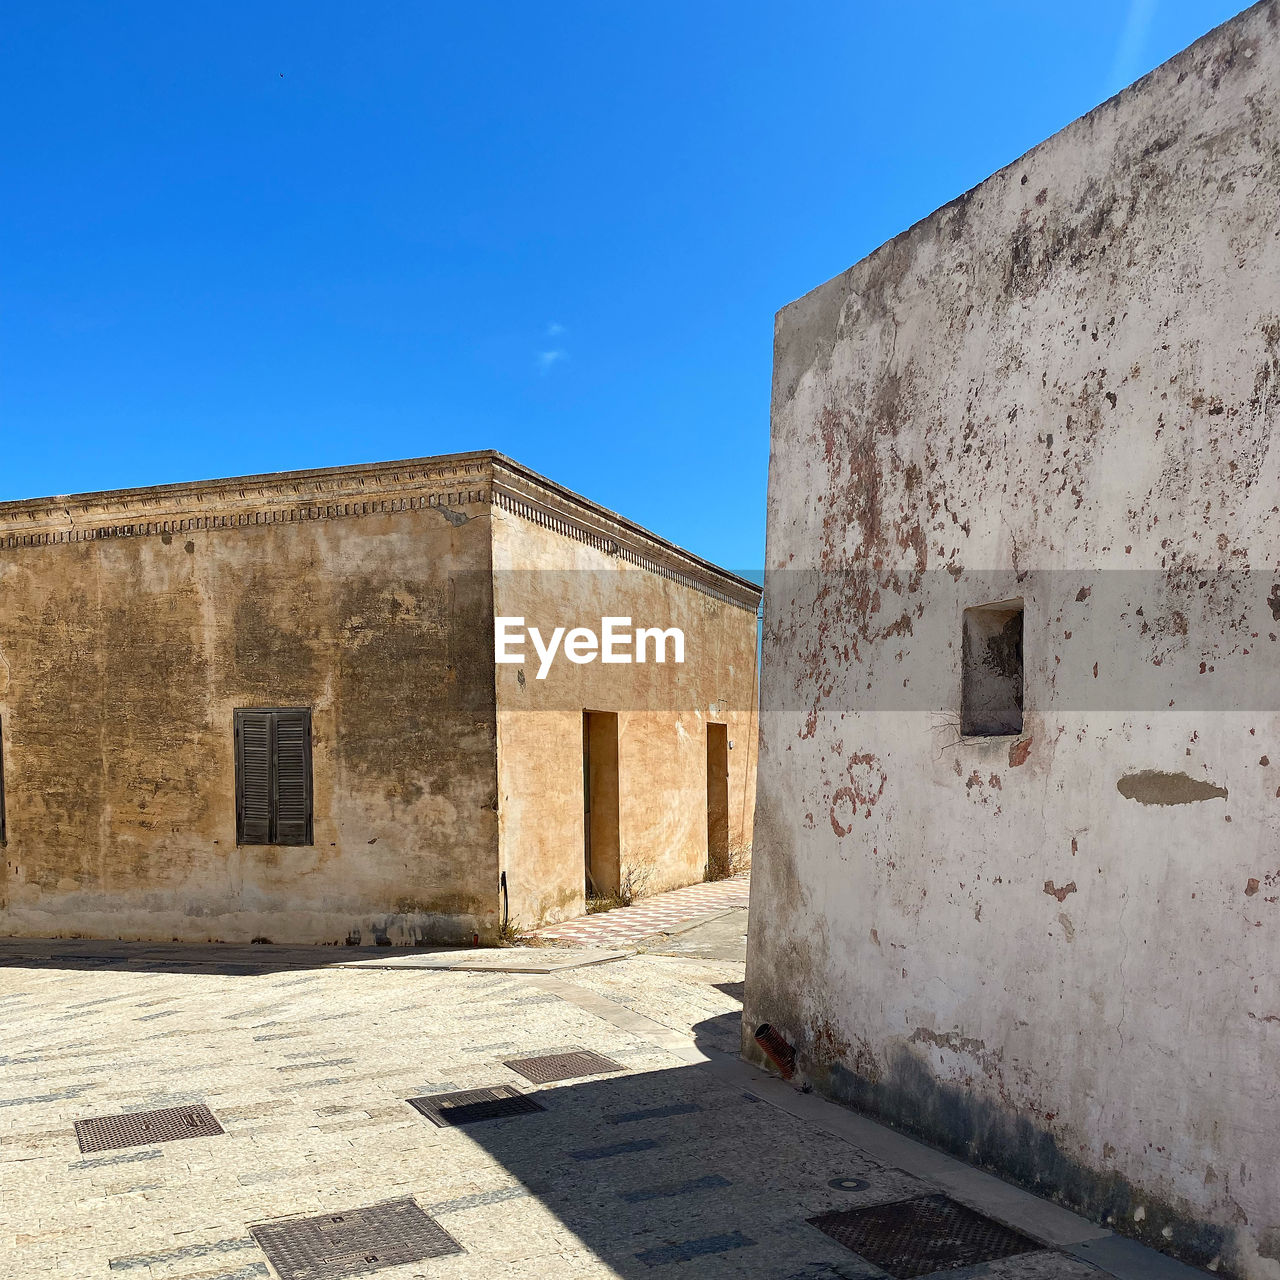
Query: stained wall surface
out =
(1054, 952)
(553, 578)
(134, 624)
(123, 656)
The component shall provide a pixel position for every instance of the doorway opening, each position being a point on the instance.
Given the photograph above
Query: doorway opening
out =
(601, 861)
(718, 863)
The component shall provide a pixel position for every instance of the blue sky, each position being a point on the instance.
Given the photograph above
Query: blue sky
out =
(252, 237)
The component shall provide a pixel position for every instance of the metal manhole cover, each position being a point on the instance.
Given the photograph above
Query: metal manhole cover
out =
(918, 1237)
(353, 1242)
(467, 1106)
(563, 1066)
(142, 1128)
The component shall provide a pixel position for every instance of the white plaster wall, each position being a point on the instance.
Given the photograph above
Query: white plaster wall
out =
(1062, 387)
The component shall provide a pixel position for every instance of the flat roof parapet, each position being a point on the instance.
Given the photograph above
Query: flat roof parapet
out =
(484, 477)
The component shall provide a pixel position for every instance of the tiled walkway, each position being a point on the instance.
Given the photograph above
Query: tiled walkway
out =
(680, 1163)
(651, 915)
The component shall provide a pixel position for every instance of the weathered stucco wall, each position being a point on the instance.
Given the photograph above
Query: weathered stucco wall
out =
(1063, 388)
(132, 625)
(554, 579)
(121, 661)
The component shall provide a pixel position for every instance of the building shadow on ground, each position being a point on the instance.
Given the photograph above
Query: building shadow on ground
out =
(226, 959)
(683, 1172)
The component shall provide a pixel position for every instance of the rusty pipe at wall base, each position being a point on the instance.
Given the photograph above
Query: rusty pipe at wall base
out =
(778, 1051)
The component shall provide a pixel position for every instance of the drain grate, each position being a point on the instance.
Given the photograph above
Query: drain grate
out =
(353, 1242)
(468, 1106)
(563, 1066)
(912, 1238)
(142, 1128)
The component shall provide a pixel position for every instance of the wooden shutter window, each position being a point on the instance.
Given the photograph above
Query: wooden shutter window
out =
(253, 777)
(293, 777)
(4, 838)
(273, 775)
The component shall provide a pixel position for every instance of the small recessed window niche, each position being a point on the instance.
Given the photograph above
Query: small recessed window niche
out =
(991, 690)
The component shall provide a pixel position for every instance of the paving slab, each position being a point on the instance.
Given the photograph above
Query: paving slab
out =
(495, 960)
(660, 911)
(719, 936)
(685, 1162)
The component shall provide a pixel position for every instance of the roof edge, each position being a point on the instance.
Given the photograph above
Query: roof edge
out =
(483, 476)
(1143, 84)
(525, 482)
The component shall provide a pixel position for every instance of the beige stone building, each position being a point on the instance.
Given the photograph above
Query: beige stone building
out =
(270, 707)
(1017, 874)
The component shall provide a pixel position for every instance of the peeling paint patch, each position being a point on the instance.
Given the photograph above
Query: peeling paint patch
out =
(1060, 894)
(843, 811)
(867, 780)
(1151, 786)
(1018, 752)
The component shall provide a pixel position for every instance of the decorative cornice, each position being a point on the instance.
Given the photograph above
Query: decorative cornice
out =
(451, 481)
(527, 494)
(284, 497)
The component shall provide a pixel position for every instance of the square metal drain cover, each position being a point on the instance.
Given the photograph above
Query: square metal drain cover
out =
(918, 1237)
(470, 1105)
(563, 1066)
(142, 1128)
(353, 1242)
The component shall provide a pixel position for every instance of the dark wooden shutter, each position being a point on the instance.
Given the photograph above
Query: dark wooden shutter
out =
(253, 776)
(4, 839)
(293, 777)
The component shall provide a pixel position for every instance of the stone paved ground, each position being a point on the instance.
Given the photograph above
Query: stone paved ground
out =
(686, 1163)
(624, 925)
